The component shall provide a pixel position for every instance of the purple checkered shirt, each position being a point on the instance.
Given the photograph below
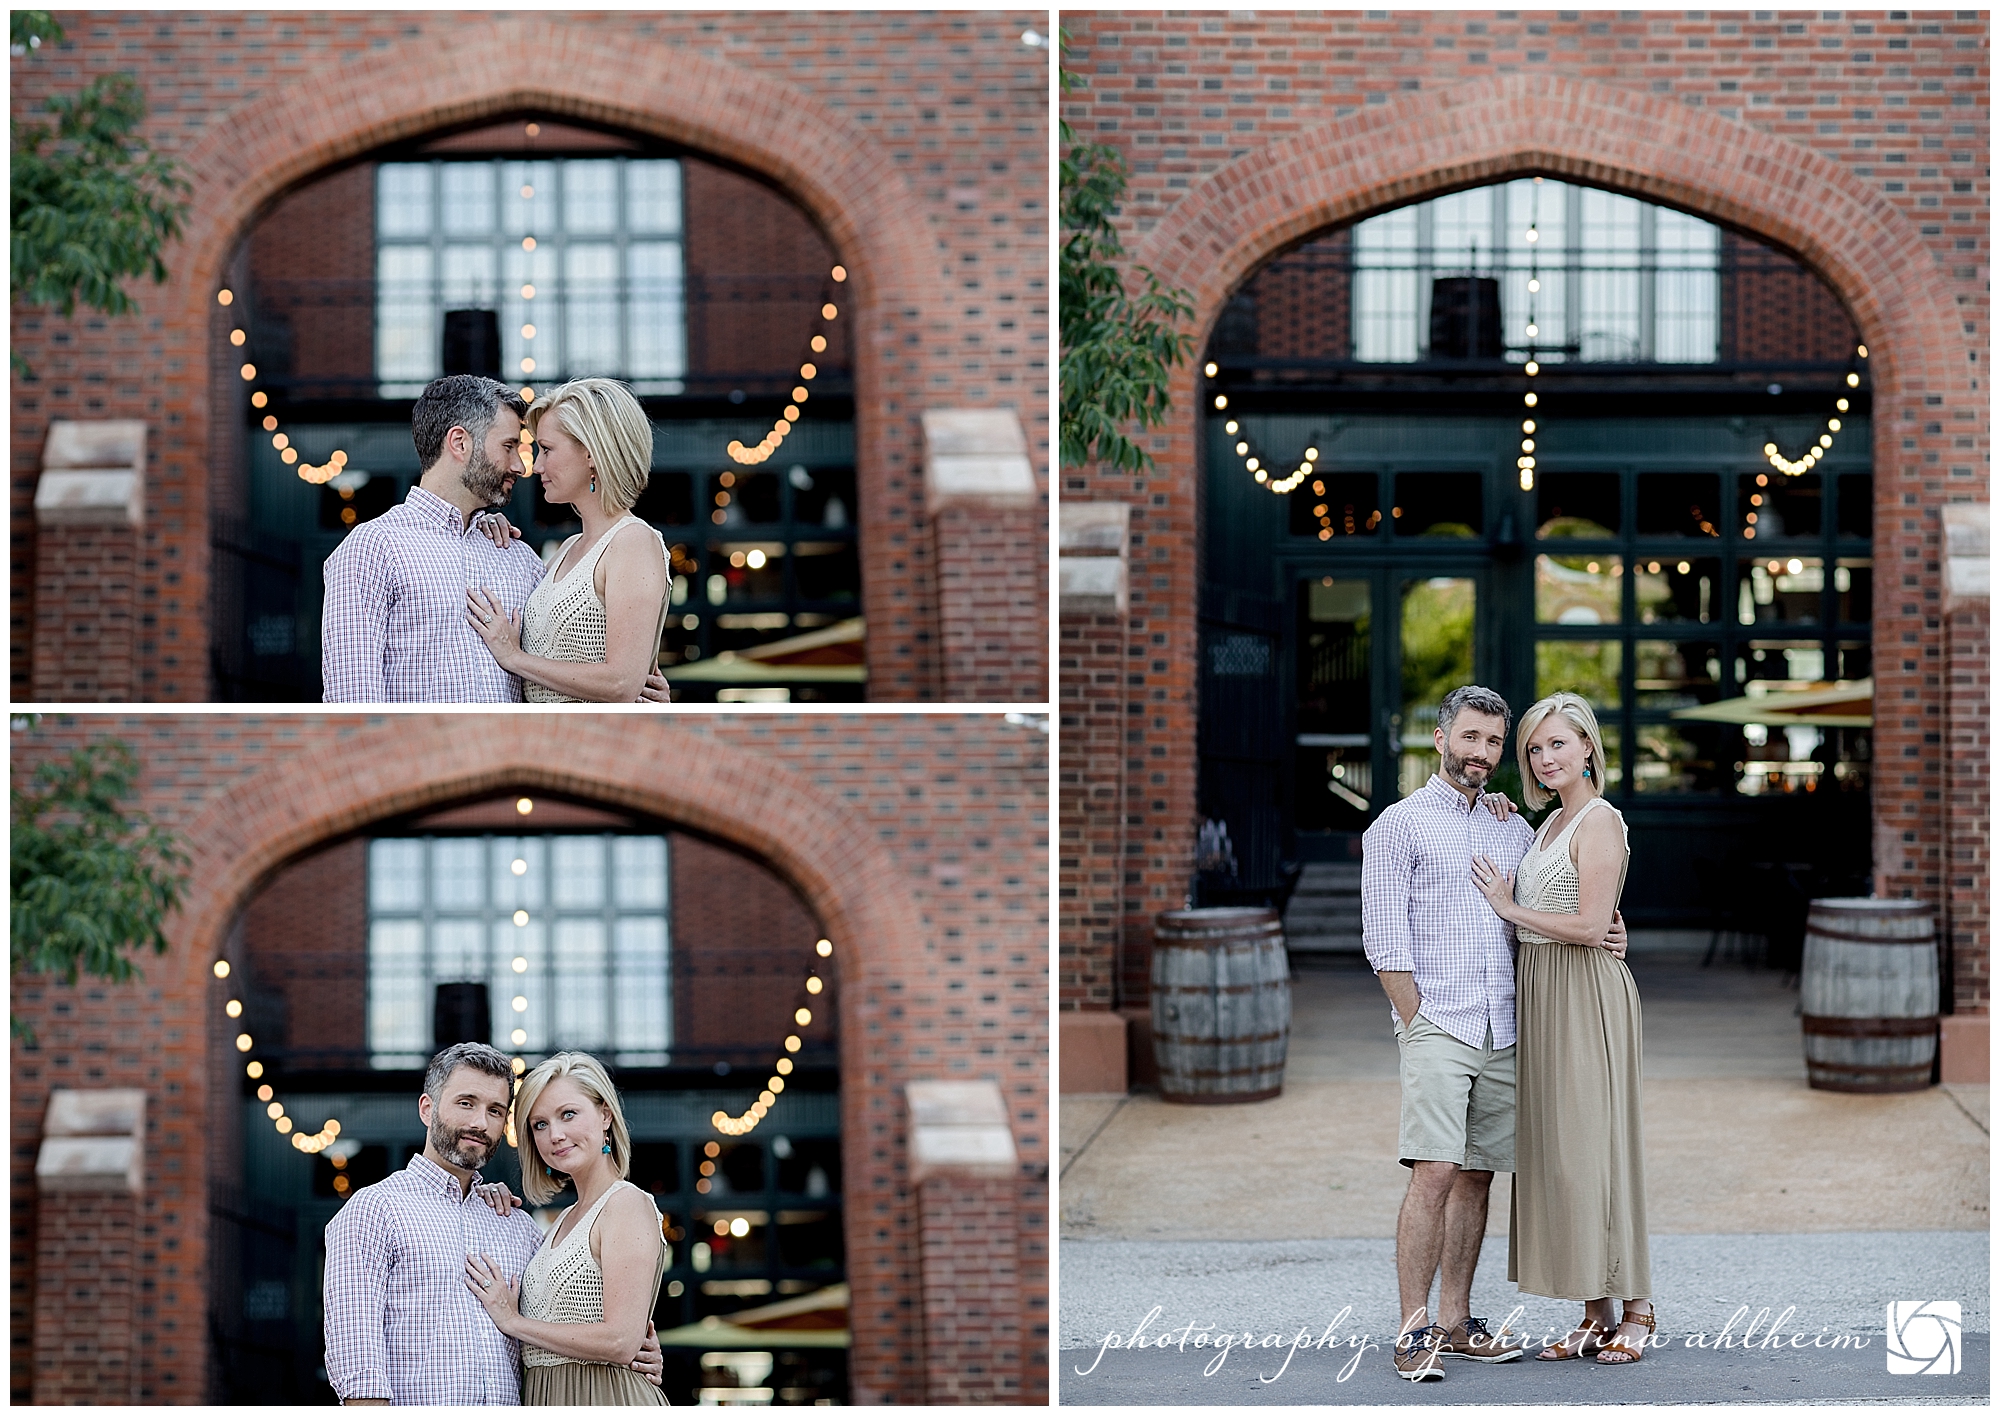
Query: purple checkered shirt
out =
(394, 630)
(400, 1322)
(1421, 914)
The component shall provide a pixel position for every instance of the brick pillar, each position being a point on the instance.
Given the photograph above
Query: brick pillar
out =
(89, 514)
(988, 536)
(87, 1183)
(1094, 573)
(1965, 927)
(965, 1171)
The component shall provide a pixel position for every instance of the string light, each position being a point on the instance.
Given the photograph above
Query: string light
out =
(305, 1143)
(317, 475)
(763, 449)
(774, 1086)
(1818, 451)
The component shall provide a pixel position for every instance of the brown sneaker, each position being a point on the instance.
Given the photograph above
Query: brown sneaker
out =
(1472, 1341)
(1416, 1355)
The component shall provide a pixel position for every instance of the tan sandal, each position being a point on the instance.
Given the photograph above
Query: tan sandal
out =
(1628, 1352)
(1592, 1341)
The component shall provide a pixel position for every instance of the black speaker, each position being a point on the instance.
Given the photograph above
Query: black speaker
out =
(1465, 317)
(461, 1014)
(472, 342)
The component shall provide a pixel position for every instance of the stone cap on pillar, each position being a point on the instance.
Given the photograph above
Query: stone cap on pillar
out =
(1968, 570)
(93, 1141)
(976, 456)
(93, 474)
(959, 1128)
(1092, 569)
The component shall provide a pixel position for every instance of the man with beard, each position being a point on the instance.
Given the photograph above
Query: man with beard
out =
(393, 629)
(401, 1326)
(1446, 960)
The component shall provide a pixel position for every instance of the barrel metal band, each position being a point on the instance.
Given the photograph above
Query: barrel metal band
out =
(1818, 1025)
(1824, 933)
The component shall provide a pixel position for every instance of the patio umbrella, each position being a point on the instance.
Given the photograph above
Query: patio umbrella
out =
(1848, 705)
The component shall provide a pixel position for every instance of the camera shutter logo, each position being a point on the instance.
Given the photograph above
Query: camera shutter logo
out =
(1923, 1338)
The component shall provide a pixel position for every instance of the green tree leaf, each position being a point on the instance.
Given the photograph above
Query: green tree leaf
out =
(93, 880)
(93, 203)
(1119, 343)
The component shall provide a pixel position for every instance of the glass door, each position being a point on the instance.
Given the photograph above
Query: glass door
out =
(1334, 752)
(1435, 622)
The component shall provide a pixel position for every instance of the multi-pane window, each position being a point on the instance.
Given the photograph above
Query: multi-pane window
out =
(1572, 273)
(579, 259)
(568, 932)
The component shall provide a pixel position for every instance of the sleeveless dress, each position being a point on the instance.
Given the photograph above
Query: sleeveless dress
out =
(564, 619)
(563, 1284)
(1578, 1221)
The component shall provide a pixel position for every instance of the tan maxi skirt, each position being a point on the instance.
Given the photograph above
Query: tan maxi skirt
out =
(587, 1384)
(1578, 1222)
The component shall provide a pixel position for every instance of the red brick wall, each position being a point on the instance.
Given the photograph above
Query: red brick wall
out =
(305, 950)
(918, 144)
(1967, 920)
(739, 230)
(324, 231)
(731, 915)
(1090, 866)
(86, 636)
(86, 1343)
(993, 596)
(920, 844)
(1855, 140)
(972, 1311)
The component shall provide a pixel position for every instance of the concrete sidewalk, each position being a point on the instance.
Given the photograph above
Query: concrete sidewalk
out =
(1761, 1192)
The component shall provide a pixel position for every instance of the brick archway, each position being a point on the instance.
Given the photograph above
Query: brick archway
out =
(832, 167)
(1215, 237)
(1484, 131)
(402, 764)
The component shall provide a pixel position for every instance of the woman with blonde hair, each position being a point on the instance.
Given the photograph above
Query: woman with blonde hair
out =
(591, 629)
(1578, 1228)
(581, 1308)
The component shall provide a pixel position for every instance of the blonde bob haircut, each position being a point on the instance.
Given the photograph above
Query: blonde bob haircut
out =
(603, 415)
(1573, 708)
(538, 1184)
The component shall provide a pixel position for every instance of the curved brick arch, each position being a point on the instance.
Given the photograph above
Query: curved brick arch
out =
(401, 764)
(1859, 242)
(399, 767)
(826, 163)
(1865, 247)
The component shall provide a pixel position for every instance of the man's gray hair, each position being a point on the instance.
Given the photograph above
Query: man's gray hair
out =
(477, 1055)
(466, 401)
(1479, 700)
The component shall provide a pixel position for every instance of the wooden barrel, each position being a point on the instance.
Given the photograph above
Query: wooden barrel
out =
(1222, 1004)
(1868, 993)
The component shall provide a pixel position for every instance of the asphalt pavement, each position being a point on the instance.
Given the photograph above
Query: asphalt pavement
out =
(1263, 1221)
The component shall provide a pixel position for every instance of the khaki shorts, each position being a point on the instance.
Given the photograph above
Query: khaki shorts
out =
(1458, 1101)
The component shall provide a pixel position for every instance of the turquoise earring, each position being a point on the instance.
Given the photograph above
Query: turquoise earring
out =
(607, 1145)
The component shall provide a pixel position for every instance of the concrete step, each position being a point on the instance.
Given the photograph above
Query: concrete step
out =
(1324, 916)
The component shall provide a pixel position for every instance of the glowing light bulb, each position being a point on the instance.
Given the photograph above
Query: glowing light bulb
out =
(1209, 369)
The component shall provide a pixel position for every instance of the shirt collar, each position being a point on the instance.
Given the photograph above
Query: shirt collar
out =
(432, 507)
(1447, 794)
(423, 1168)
